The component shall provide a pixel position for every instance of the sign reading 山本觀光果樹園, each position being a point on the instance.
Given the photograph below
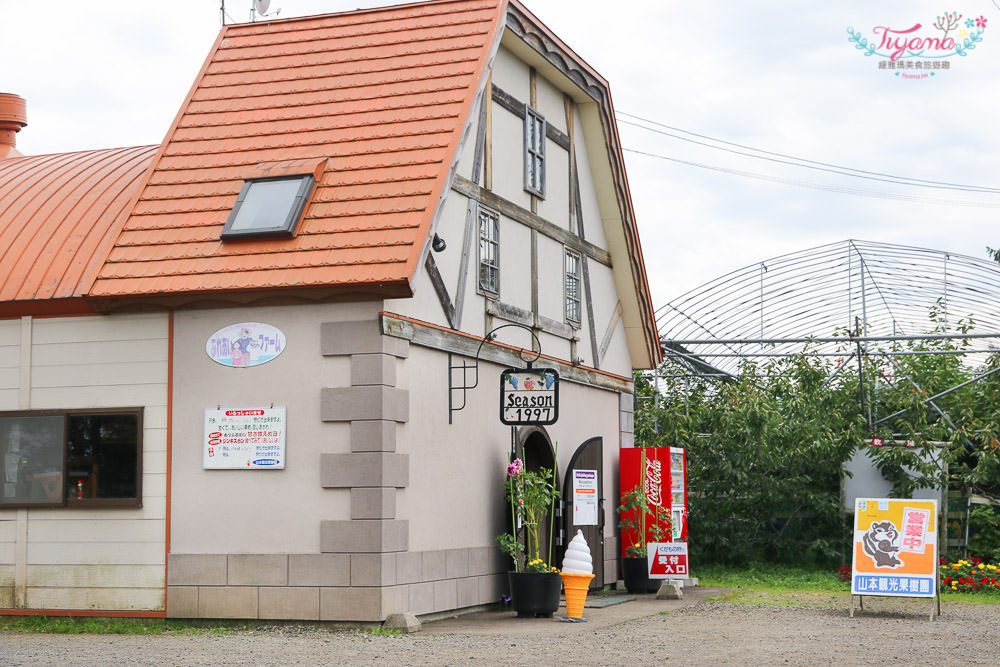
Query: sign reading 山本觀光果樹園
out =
(895, 547)
(244, 438)
(529, 397)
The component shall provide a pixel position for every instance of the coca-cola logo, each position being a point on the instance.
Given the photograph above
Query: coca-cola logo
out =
(654, 480)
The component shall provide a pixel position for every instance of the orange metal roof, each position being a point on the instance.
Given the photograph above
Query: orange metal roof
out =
(381, 95)
(59, 215)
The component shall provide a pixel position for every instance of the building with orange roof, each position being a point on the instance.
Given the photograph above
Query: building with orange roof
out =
(253, 371)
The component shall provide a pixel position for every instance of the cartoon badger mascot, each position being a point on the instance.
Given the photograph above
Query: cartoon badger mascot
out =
(878, 543)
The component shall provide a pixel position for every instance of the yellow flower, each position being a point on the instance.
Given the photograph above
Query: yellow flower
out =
(955, 566)
(982, 566)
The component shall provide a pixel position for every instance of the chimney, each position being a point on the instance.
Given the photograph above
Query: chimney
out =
(12, 118)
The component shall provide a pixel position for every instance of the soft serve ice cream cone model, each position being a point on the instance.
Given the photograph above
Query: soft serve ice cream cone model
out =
(577, 571)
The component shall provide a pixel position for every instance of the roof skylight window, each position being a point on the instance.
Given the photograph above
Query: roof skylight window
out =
(268, 207)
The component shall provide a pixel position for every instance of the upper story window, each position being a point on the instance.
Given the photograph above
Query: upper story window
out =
(534, 152)
(268, 207)
(572, 287)
(84, 458)
(489, 252)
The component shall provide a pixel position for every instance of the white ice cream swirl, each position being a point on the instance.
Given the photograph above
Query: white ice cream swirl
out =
(577, 559)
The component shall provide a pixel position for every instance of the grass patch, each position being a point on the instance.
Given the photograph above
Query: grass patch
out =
(384, 632)
(79, 625)
(769, 576)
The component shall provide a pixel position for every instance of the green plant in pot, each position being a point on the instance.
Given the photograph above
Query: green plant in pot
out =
(534, 583)
(637, 518)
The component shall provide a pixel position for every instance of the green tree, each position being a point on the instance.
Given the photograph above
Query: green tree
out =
(766, 451)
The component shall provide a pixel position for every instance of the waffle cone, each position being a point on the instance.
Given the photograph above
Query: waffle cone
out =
(576, 586)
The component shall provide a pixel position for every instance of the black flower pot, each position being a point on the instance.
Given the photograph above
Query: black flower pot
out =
(534, 593)
(635, 572)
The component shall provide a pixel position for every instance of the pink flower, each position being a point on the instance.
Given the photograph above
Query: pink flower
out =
(515, 468)
(981, 22)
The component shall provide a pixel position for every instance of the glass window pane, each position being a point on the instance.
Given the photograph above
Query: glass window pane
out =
(102, 453)
(267, 205)
(32, 459)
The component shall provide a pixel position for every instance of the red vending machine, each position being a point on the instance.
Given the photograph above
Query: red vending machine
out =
(663, 471)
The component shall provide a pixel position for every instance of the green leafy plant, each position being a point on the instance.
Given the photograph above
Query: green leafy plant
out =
(531, 496)
(984, 532)
(637, 518)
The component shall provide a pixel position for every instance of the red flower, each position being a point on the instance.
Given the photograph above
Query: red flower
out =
(981, 22)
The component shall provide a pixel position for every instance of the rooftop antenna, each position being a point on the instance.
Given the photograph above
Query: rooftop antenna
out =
(259, 8)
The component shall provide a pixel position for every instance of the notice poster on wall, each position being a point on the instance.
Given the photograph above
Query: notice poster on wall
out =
(584, 497)
(895, 547)
(247, 439)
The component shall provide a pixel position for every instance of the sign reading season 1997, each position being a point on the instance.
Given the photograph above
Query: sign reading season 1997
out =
(247, 438)
(529, 396)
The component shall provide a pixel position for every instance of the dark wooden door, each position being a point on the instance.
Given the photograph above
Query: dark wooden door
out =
(588, 457)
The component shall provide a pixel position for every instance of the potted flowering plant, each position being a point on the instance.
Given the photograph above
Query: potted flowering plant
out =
(534, 583)
(637, 518)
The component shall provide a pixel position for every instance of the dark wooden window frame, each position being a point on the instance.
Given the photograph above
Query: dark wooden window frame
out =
(86, 503)
(495, 217)
(578, 277)
(534, 154)
(287, 227)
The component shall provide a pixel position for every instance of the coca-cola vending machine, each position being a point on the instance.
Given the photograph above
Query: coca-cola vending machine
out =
(663, 471)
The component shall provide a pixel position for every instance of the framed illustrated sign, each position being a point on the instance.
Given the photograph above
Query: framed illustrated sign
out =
(245, 344)
(529, 397)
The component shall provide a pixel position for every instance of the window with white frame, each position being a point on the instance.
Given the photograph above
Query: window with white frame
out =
(71, 458)
(534, 152)
(489, 252)
(572, 268)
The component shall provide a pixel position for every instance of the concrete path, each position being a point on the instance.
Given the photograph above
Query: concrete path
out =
(508, 623)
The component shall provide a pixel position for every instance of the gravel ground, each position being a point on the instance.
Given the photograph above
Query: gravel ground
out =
(802, 630)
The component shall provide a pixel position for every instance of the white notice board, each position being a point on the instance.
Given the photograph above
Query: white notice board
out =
(246, 438)
(584, 497)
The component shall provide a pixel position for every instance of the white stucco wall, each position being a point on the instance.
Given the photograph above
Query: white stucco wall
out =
(455, 496)
(258, 511)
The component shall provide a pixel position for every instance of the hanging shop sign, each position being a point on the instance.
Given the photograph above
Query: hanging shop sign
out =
(529, 397)
(895, 547)
(667, 560)
(245, 344)
(247, 439)
(584, 497)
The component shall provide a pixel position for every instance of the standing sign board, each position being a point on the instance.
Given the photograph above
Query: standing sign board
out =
(247, 439)
(529, 397)
(667, 560)
(895, 547)
(584, 497)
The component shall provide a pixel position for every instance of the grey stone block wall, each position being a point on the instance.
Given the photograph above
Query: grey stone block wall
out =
(332, 587)
(372, 470)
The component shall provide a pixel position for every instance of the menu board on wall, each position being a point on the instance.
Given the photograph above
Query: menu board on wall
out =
(247, 438)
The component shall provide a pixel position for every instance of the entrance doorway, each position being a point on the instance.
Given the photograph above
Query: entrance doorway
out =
(535, 449)
(588, 459)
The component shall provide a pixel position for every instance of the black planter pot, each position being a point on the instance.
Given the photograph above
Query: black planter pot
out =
(635, 572)
(534, 593)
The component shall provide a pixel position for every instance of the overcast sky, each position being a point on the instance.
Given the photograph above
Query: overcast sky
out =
(775, 75)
